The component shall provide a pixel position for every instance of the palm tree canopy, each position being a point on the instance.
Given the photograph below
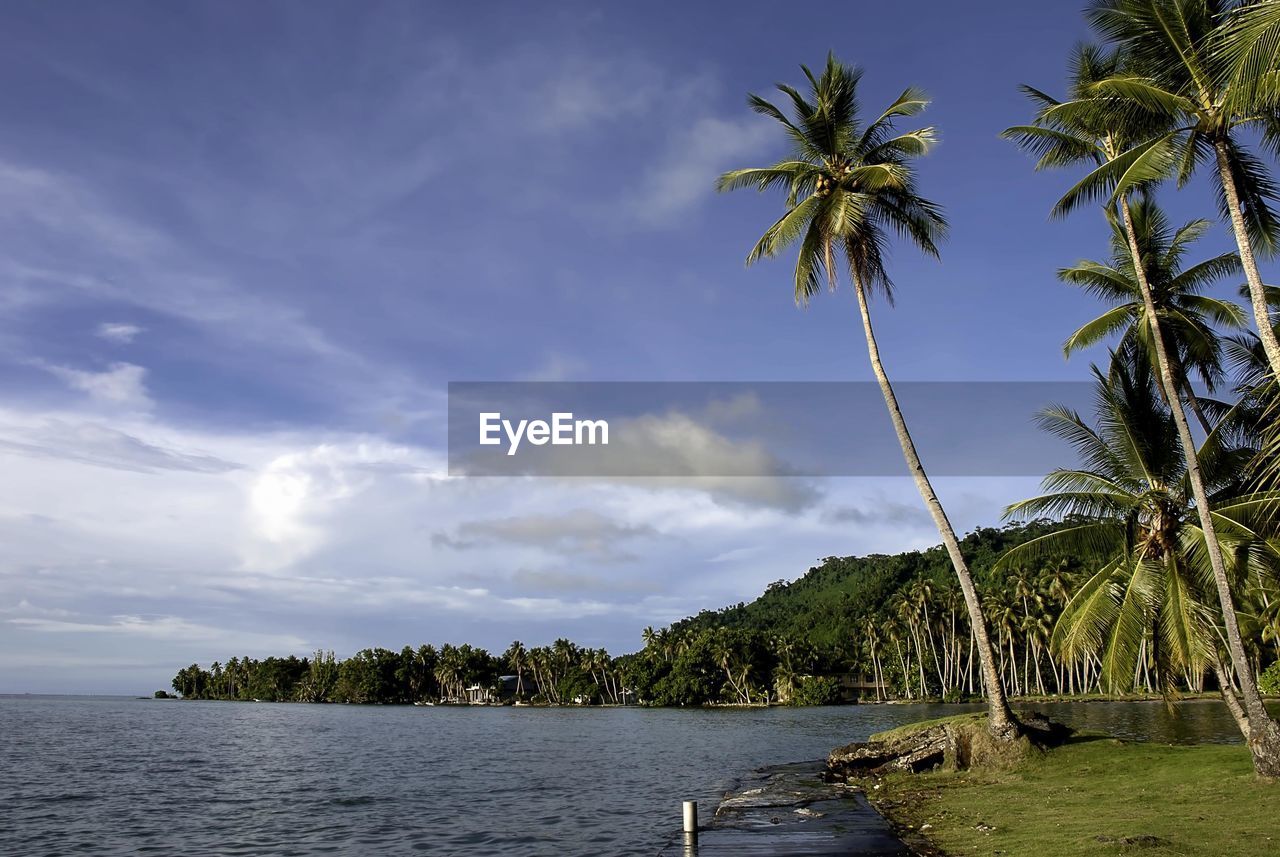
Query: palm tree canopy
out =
(1245, 54)
(1170, 72)
(1128, 146)
(1187, 316)
(1130, 501)
(850, 184)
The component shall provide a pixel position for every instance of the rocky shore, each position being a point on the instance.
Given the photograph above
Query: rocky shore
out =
(953, 743)
(789, 811)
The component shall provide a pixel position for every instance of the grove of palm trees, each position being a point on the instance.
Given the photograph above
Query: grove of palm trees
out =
(1187, 525)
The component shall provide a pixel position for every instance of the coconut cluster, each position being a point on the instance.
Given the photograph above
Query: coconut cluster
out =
(825, 184)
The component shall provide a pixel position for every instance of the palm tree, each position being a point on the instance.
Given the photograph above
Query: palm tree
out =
(922, 596)
(1186, 315)
(892, 631)
(1002, 611)
(1088, 131)
(515, 657)
(785, 673)
(1173, 72)
(871, 635)
(908, 614)
(850, 186)
(1130, 504)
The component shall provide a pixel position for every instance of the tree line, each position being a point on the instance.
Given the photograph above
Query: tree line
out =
(559, 673)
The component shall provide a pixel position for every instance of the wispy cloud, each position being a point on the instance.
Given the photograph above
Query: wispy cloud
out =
(685, 175)
(120, 384)
(93, 443)
(579, 532)
(163, 628)
(118, 332)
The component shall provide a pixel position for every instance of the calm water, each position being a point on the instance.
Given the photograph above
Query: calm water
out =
(123, 776)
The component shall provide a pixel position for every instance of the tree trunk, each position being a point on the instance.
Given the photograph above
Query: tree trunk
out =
(1026, 668)
(933, 649)
(902, 664)
(1263, 733)
(1229, 697)
(1257, 292)
(969, 662)
(1001, 720)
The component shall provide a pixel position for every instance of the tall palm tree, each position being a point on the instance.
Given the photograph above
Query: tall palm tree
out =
(1187, 316)
(1088, 130)
(850, 186)
(1130, 502)
(1173, 72)
(871, 636)
(515, 657)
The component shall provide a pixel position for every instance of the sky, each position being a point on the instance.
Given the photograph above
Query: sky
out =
(244, 248)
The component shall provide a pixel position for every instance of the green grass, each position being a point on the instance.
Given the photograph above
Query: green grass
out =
(910, 728)
(1088, 797)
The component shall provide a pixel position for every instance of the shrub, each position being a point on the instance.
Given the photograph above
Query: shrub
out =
(816, 690)
(1269, 681)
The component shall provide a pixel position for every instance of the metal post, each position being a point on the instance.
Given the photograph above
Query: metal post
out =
(691, 816)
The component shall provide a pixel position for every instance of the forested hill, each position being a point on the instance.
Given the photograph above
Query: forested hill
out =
(831, 600)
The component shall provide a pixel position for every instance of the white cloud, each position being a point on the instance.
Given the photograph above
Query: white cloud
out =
(298, 500)
(137, 541)
(581, 91)
(91, 442)
(58, 233)
(118, 332)
(685, 175)
(120, 384)
(736, 554)
(165, 628)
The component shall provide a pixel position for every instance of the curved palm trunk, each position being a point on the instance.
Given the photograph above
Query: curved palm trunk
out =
(1257, 293)
(1229, 697)
(1002, 722)
(1262, 734)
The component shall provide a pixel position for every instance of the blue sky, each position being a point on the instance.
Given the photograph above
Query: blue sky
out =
(243, 249)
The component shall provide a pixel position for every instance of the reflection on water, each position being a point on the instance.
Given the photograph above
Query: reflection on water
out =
(123, 776)
(1199, 721)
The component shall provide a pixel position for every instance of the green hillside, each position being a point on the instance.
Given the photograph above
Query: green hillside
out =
(826, 604)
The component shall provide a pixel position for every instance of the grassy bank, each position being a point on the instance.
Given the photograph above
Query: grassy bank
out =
(1093, 796)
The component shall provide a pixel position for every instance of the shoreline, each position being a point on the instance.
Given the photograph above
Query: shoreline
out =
(711, 706)
(790, 809)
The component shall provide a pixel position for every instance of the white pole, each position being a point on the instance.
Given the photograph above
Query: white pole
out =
(691, 816)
